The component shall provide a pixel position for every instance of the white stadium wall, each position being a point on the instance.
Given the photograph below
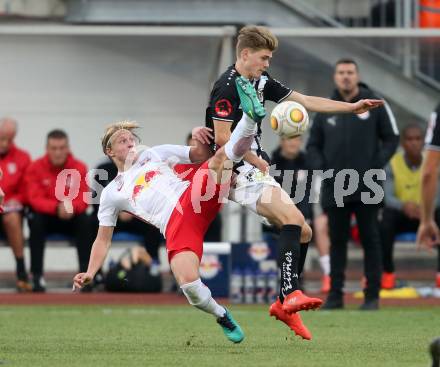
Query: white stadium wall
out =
(81, 84)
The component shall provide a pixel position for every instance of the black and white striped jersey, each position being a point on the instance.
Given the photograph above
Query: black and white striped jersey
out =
(224, 102)
(432, 139)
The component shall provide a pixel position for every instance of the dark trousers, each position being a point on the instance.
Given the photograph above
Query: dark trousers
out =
(214, 232)
(40, 225)
(339, 230)
(394, 222)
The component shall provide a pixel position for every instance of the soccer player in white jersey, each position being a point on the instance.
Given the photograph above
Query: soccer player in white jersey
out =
(148, 187)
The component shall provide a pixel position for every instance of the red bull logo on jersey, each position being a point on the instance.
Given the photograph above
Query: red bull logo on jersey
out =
(210, 266)
(259, 251)
(143, 182)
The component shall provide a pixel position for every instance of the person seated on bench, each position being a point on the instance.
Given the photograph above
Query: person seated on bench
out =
(402, 199)
(13, 163)
(55, 187)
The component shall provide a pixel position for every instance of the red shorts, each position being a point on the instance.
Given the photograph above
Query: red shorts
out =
(193, 214)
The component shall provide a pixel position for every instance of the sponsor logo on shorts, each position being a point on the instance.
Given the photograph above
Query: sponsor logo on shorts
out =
(255, 175)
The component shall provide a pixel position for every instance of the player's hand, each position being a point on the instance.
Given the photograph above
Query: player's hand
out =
(428, 235)
(2, 197)
(202, 134)
(81, 279)
(262, 165)
(65, 210)
(365, 105)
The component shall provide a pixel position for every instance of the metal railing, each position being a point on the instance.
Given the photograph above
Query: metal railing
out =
(414, 58)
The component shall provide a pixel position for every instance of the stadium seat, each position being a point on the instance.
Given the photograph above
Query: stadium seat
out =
(117, 237)
(406, 237)
(127, 237)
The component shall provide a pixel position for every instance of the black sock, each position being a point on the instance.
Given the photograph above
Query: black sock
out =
(20, 269)
(302, 257)
(289, 255)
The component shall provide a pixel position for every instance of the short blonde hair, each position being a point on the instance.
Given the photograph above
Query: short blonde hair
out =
(114, 128)
(256, 38)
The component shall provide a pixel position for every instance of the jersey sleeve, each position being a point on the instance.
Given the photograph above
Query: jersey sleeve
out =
(275, 91)
(432, 139)
(172, 154)
(108, 212)
(224, 103)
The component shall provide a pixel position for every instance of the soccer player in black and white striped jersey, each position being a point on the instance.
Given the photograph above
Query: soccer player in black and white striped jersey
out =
(428, 234)
(255, 188)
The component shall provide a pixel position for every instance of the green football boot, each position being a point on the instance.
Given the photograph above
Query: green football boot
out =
(230, 327)
(249, 101)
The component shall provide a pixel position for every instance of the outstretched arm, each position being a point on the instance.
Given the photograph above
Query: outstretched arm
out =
(428, 234)
(325, 105)
(97, 256)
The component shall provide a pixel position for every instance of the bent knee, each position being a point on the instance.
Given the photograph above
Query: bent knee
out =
(186, 277)
(306, 233)
(291, 216)
(12, 219)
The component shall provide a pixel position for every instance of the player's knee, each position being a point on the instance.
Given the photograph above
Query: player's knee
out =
(291, 216)
(197, 294)
(12, 220)
(306, 233)
(216, 162)
(186, 278)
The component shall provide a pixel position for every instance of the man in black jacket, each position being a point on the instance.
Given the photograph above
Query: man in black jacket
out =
(353, 148)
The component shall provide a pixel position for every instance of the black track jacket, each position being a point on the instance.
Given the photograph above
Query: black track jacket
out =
(350, 141)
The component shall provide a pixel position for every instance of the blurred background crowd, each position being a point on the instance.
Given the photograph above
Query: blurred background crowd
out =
(71, 67)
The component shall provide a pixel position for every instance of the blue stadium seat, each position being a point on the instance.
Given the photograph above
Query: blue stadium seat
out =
(406, 237)
(126, 237)
(117, 237)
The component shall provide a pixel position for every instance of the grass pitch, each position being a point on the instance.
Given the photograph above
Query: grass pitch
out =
(65, 336)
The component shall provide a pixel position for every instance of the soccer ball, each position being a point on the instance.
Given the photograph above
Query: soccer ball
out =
(289, 119)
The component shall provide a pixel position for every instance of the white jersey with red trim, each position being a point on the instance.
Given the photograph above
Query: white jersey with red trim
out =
(150, 189)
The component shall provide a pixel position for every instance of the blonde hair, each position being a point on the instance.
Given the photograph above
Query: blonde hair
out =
(256, 38)
(113, 129)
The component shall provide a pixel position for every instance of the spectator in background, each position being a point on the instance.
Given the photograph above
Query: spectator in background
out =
(49, 179)
(152, 237)
(402, 198)
(13, 163)
(428, 234)
(357, 142)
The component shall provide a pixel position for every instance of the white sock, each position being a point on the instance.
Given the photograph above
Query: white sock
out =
(241, 139)
(324, 261)
(199, 296)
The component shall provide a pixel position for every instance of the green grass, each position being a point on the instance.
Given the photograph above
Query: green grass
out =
(165, 336)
